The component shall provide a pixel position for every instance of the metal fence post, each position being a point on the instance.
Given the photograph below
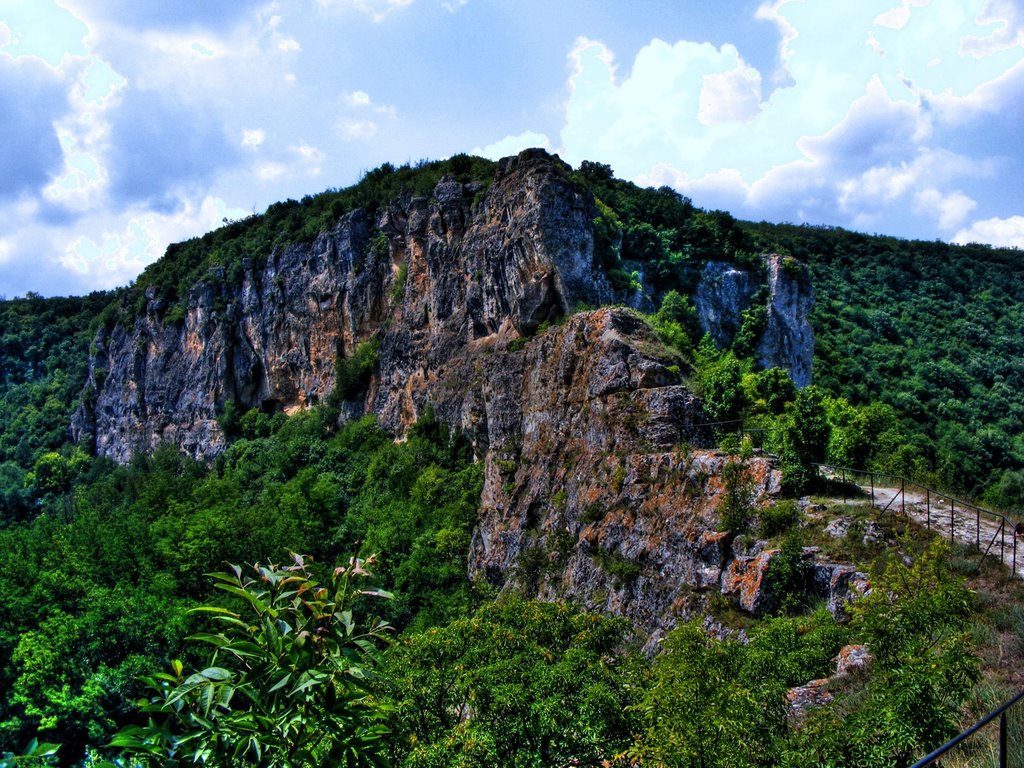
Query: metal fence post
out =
(977, 527)
(1002, 740)
(952, 521)
(928, 507)
(903, 496)
(872, 475)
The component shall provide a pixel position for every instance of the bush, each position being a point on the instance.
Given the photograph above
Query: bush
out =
(352, 374)
(778, 518)
(284, 685)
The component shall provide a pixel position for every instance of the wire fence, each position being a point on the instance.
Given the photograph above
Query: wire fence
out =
(991, 534)
(995, 740)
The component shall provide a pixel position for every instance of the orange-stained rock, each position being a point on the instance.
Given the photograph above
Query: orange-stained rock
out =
(595, 448)
(745, 576)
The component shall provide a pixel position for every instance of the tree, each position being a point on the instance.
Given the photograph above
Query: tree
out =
(523, 684)
(915, 621)
(805, 438)
(286, 684)
(701, 710)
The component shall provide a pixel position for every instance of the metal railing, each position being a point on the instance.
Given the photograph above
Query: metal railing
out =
(1003, 743)
(990, 533)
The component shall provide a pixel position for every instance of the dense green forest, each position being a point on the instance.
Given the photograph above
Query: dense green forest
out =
(918, 371)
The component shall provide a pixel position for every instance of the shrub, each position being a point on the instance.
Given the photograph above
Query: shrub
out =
(284, 685)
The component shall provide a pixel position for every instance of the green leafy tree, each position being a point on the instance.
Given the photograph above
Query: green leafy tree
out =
(805, 437)
(286, 684)
(701, 710)
(520, 683)
(915, 621)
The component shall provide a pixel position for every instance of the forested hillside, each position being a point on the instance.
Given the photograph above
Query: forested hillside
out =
(917, 370)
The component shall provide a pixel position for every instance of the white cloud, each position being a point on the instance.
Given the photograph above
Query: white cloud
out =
(512, 145)
(288, 45)
(357, 130)
(377, 10)
(270, 171)
(1006, 18)
(311, 158)
(6, 250)
(358, 98)
(253, 137)
(114, 257)
(308, 153)
(1005, 233)
(846, 136)
(731, 95)
(361, 100)
(950, 210)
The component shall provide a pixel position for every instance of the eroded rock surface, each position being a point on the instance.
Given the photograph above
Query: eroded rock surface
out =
(601, 485)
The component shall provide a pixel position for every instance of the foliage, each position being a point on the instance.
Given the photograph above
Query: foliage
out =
(675, 322)
(718, 378)
(700, 709)
(520, 683)
(285, 684)
(805, 437)
(915, 621)
(98, 584)
(795, 649)
(34, 754)
(778, 518)
(737, 505)
(352, 374)
(44, 346)
(788, 575)
(931, 330)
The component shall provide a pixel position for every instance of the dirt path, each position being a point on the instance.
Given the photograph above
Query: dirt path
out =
(980, 529)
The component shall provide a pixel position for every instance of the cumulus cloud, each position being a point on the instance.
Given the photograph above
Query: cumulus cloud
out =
(731, 95)
(253, 137)
(357, 130)
(377, 10)
(512, 145)
(1006, 20)
(270, 171)
(1006, 233)
(360, 100)
(857, 130)
(34, 99)
(950, 210)
(114, 257)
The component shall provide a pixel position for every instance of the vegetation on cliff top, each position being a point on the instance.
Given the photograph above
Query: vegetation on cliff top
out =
(918, 370)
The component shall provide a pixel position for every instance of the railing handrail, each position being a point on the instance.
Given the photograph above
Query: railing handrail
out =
(1000, 712)
(907, 481)
(932, 757)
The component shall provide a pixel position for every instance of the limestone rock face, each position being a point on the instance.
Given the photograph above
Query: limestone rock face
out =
(601, 485)
(788, 341)
(725, 291)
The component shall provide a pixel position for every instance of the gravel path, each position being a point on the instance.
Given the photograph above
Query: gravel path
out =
(981, 529)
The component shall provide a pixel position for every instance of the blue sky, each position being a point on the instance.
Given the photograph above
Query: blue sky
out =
(129, 124)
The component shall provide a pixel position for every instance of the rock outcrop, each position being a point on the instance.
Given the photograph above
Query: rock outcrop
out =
(600, 482)
(785, 295)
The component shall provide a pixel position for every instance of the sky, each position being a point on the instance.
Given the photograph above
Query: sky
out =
(126, 125)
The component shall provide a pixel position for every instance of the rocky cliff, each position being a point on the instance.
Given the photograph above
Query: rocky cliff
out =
(725, 292)
(599, 480)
